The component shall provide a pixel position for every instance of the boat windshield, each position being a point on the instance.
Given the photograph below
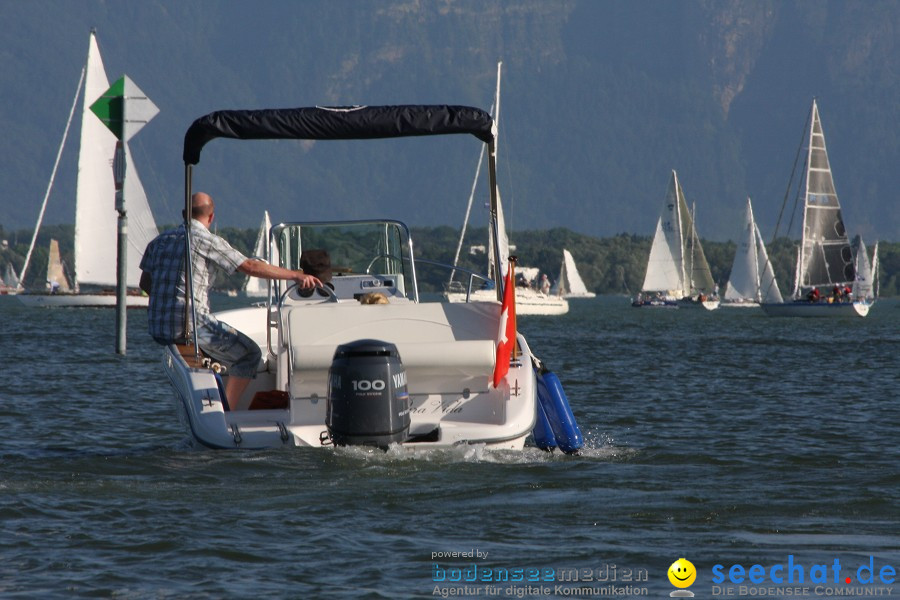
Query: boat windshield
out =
(348, 248)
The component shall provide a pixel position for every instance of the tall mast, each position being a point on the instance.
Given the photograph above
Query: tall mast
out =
(59, 152)
(803, 257)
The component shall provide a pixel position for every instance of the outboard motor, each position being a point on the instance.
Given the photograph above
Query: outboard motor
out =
(368, 404)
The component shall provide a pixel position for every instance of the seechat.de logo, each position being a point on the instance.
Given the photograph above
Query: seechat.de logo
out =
(682, 574)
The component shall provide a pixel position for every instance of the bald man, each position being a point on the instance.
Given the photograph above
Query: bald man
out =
(163, 279)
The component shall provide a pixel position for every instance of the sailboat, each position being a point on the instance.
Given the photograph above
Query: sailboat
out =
(678, 275)
(57, 280)
(257, 287)
(10, 282)
(530, 300)
(825, 258)
(865, 286)
(752, 278)
(95, 215)
(569, 284)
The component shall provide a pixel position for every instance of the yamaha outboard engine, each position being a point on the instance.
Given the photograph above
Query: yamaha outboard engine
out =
(368, 404)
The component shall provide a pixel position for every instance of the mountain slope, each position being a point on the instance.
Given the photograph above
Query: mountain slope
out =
(600, 101)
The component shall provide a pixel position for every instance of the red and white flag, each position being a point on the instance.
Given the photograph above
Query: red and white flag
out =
(506, 337)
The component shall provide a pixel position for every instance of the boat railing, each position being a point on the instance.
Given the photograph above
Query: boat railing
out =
(458, 286)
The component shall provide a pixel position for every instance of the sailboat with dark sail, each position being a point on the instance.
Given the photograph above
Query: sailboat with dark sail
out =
(826, 270)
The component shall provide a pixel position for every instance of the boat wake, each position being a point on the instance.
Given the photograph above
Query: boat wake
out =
(600, 448)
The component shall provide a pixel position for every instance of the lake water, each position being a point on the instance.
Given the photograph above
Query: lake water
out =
(727, 438)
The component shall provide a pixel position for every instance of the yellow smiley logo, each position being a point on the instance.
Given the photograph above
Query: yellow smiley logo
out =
(682, 573)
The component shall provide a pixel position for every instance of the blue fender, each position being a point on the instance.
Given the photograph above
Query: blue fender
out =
(542, 432)
(559, 415)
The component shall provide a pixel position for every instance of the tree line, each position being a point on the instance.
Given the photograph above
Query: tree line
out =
(609, 265)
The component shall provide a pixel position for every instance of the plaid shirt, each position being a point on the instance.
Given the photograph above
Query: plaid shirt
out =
(164, 260)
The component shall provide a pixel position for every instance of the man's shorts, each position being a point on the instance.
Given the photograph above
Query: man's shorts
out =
(229, 346)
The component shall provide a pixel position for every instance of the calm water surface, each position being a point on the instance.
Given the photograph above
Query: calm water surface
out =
(726, 437)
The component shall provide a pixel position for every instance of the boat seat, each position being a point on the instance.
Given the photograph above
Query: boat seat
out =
(444, 348)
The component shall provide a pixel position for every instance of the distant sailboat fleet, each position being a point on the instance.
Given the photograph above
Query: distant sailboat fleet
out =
(833, 277)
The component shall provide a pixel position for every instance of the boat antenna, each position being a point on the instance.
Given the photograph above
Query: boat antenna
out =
(59, 152)
(787, 192)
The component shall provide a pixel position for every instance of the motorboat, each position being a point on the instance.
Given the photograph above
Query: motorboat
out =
(337, 370)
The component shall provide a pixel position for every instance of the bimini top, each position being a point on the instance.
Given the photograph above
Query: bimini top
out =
(336, 123)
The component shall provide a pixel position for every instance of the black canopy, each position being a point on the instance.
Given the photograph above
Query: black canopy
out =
(335, 123)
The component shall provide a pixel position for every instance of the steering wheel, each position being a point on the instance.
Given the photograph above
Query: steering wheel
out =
(378, 257)
(294, 290)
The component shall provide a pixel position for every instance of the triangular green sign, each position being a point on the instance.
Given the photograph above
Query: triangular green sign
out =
(109, 107)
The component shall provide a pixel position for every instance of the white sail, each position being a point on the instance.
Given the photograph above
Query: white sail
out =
(56, 273)
(96, 220)
(141, 224)
(743, 283)
(95, 214)
(875, 271)
(570, 284)
(768, 287)
(10, 277)
(663, 273)
(752, 278)
(864, 284)
(257, 286)
(665, 267)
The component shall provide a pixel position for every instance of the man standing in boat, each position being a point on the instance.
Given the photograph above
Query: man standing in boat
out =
(545, 285)
(163, 280)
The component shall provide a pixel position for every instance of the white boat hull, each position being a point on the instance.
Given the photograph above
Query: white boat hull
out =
(817, 309)
(704, 304)
(528, 302)
(448, 406)
(739, 304)
(80, 300)
(669, 302)
(654, 303)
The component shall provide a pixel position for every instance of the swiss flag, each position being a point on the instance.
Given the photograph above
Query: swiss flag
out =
(506, 337)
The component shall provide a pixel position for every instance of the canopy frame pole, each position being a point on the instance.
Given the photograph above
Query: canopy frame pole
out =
(190, 311)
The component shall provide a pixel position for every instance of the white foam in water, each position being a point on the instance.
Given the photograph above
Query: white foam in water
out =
(601, 448)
